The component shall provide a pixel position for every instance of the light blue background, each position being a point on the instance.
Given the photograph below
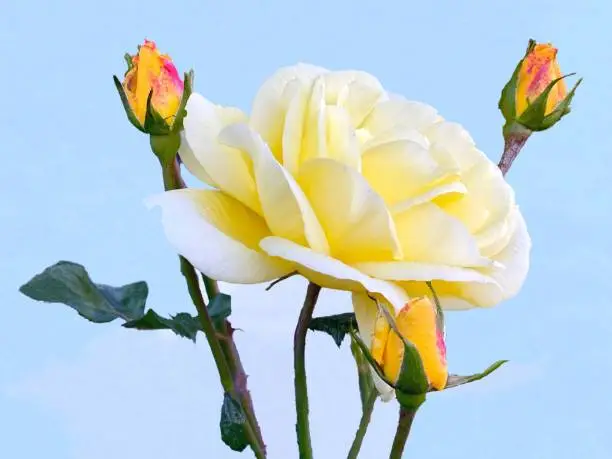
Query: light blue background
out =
(74, 174)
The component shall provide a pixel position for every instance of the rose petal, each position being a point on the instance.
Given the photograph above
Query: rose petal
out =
(272, 101)
(331, 273)
(430, 235)
(285, 207)
(228, 168)
(218, 235)
(357, 223)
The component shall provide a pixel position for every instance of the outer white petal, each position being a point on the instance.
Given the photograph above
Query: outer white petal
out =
(285, 207)
(331, 273)
(514, 259)
(366, 313)
(357, 223)
(218, 235)
(228, 168)
(192, 164)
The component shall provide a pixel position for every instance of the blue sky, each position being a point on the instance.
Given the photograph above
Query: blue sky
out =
(74, 175)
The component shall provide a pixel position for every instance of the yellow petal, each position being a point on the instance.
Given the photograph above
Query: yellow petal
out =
(417, 323)
(399, 112)
(331, 273)
(355, 219)
(453, 138)
(218, 235)
(228, 168)
(354, 91)
(285, 207)
(430, 235)
(488, 200)
(402, 169)
(273, 99)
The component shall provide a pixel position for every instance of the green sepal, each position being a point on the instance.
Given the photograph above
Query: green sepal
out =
(154, 123)
(126, 105)
(562, 109)
(366, 383)
(507, 100)
(456, 380)
(220, 309)
(336, 326)
(439, 311)
(368, 356)
(129, 61)
(177, 126)
(534, 116)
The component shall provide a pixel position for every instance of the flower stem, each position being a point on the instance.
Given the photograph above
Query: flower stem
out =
(223, 348)
(302, 426)
(366, 415)
(406, 416)
(515, 137)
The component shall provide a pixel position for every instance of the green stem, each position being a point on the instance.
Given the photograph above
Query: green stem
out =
(366, 415)
(302, 426)
(406, 416)
(225, 353)
(193, 287)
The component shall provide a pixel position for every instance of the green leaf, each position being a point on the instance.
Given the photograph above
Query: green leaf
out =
(68, 283)
(366, 383)
(182, 324)
(233, 422)
(455, 380)
(126, 105)
(220, 309)
(336, 326)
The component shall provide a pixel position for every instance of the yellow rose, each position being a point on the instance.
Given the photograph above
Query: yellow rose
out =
(417, 322)
(354, 188)
(149, 70)
(538, 69)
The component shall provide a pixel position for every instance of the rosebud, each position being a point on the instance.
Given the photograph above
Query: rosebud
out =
(417, 323)
(536, 96)
(154, 97)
